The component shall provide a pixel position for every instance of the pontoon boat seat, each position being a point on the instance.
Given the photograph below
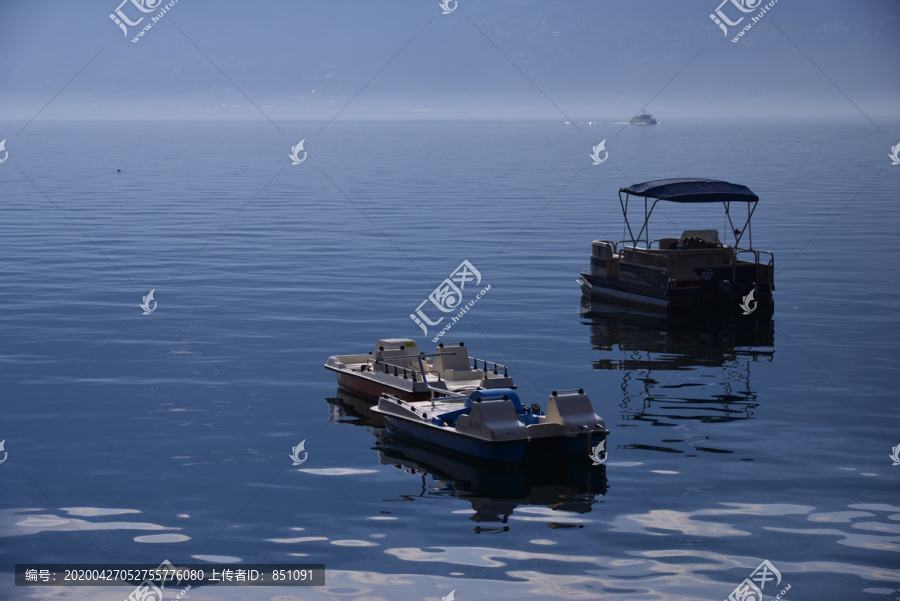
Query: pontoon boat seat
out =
(709, 238)
(604, 250)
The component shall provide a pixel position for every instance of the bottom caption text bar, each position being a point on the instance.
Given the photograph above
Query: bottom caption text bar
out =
(169, 575)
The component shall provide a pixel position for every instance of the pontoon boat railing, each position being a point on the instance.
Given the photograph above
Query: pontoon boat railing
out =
(758, 262)
(610, 243)
(614, 245)
(756, 254)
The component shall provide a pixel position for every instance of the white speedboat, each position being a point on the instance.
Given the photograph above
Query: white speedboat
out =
(494, 426)
(397, 367)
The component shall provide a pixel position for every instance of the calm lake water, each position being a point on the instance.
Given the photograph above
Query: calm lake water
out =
(134, 439)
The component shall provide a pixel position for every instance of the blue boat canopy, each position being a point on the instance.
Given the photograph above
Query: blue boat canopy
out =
(692, 190)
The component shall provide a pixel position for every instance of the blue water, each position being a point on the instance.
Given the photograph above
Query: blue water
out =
(135, 438)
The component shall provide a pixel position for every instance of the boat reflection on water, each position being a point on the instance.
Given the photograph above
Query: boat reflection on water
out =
(494, 493)
(654, 352)
(348, 407)
(568, 486)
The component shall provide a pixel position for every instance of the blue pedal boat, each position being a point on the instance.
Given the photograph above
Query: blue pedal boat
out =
(494, 426)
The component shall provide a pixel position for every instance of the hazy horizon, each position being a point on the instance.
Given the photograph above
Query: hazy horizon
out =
(511, 60)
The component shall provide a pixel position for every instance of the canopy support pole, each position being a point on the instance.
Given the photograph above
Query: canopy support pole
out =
(624, 206)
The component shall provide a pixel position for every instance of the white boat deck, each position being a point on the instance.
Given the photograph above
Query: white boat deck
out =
(448, 367)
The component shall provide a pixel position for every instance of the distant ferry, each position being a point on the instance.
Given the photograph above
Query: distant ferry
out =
(643, 119)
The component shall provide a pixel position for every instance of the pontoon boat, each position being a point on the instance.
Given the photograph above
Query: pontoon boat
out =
(695, 269)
